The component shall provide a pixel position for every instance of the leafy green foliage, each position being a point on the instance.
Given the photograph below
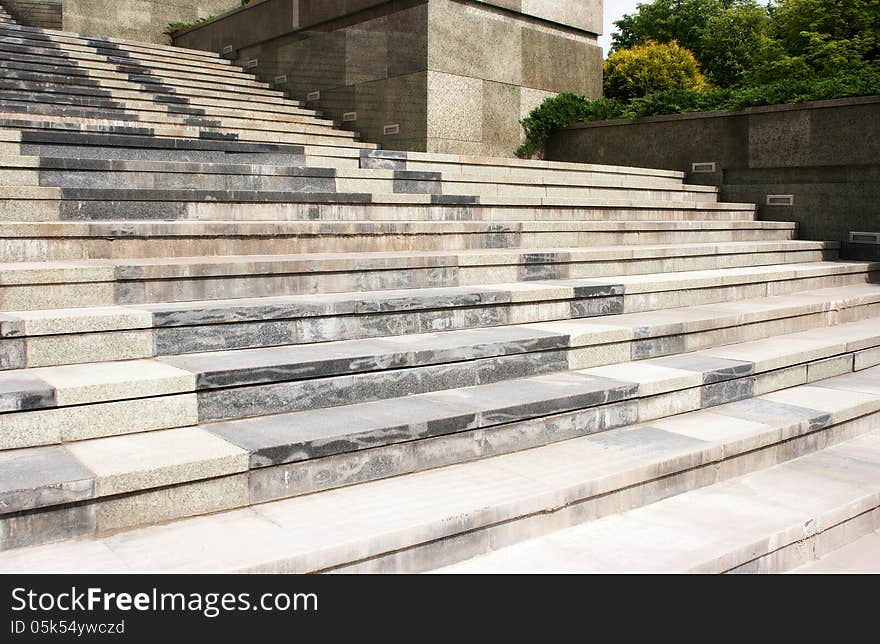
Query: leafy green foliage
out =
(652, 67)
(560, 111)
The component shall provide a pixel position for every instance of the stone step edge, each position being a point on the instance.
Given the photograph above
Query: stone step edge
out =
(49, 337)
(521, 498)
(46, 322)
(748, 534)
(600, 340)
(72, 164)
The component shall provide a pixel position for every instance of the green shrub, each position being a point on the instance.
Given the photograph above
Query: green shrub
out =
(566, 109)
(559, 111)
(653, 67)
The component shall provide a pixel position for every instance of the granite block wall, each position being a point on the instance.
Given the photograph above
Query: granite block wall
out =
(824, 154)
(425, 75)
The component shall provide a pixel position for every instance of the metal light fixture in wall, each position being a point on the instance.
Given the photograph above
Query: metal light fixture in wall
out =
(313, 96)
(704, 168)
(348, 117)
(391, 129)
(865, 238)
(253, 62)
(780, 200)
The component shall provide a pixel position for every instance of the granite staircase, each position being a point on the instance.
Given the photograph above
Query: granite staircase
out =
(234, 337)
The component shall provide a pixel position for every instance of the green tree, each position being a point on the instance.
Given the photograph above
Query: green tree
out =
(722, 34)
(652, 67)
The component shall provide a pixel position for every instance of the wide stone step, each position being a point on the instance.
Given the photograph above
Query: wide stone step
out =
(89, 46)
(115, 57)
(50, 241)
(769, 521)
(254, 382)
(28, 285)
(66, 36)
(99, 119)
(427, 519)
(68, 336)
(859, 556)
(36, 83)
(71, 171)
(62, 76)
(130, 181)
(23, 121)
(149, 109)
(140, 69)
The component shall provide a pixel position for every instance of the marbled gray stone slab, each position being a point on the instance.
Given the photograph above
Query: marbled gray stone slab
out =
(242, 402)
(773, 413)
(47, 525)
(20, 393)
(713, 369)
(726, 391)
(42, 476)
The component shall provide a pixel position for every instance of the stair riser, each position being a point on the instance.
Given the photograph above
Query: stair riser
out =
(800, 552)
(51, 350)
(256, 181)
(129, 510)
(70, 118)
(38, 247)
(281, 280)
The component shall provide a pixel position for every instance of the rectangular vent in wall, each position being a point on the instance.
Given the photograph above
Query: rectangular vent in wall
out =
(281, 80)
(348, 117)
(392, 129)
(865, 238)
(228, 50)
(704, 168)
(250, 64)
(780, 200)
(313, 96)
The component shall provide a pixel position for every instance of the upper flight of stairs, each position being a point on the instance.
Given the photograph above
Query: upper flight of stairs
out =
(235, 337)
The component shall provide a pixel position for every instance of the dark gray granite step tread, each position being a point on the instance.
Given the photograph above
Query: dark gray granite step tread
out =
(60, 136)
(245, 367)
